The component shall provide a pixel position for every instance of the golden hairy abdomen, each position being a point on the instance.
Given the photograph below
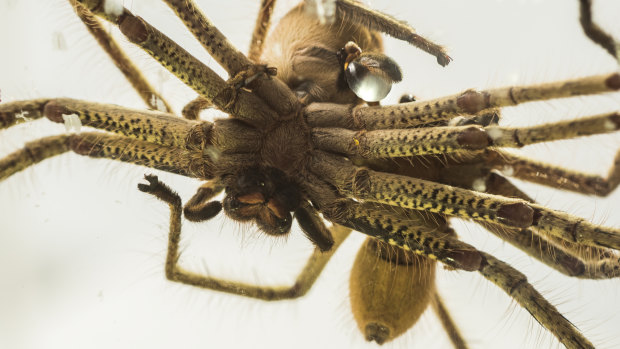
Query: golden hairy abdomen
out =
(299, 30)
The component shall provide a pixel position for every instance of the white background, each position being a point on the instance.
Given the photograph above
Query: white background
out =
(82, 251)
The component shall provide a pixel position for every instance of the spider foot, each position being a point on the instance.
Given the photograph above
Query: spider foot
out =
(160, 190)
(151, 187)
(244, 78)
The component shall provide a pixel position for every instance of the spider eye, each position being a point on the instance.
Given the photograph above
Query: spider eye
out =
(371, 76)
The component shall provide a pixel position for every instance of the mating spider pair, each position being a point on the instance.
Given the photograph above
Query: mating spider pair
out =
(405, 69)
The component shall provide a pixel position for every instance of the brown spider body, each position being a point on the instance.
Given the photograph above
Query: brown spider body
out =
(278, 159)
(303, 51)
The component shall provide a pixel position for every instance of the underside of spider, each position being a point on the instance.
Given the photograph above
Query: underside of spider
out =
(302, 144)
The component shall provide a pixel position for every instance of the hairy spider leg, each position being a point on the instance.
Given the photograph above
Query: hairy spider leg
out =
(470, 102)
(121, 60)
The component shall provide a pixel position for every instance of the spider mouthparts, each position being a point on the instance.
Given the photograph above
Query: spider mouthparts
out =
(252, 198)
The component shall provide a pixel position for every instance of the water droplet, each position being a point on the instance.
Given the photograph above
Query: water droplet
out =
(366, 85)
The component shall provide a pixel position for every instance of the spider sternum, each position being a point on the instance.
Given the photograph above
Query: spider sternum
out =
(287, 145)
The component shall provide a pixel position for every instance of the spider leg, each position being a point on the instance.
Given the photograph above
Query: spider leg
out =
(399, 143)
(14, 113)
(191, 110)
(594, 32)
(244, 78)
(447, 322)
(382, 223)
(200, 207)
(189, 69)
(154, 139)
(32, 153)
(157, 127)
(442, 140)
(556, 177)
(312, 225)
(418, 194)
(515, 284)
(260, 29)
(518, 137)
(563, 261)
(274, 91)
(194, 73)
(174, 272)
(357, 12)
(410, 114)
(563, 256)
(409, 229)
(569, 258)
(125, 65)
(101, 145)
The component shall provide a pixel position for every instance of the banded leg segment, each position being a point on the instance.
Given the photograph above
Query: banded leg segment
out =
(408, 192)
(357, 12)
(33, 153)
(566, 257)
(399, 143)
(148, 94)
(174, 272)
(447, 322)
(516, 285)
(194, 73)
(102, 145)
(261, 27)
(156, 127)
(554, 176)
(568, 264)
(594, 32)
(410, 114)
(441, 140)
(191, 111)
(185, 66)
(273, 91)
(519, 137)
(13, 113)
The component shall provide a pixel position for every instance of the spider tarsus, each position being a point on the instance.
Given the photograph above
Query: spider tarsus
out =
(160, 190)
(443, 59)
(151, 186)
